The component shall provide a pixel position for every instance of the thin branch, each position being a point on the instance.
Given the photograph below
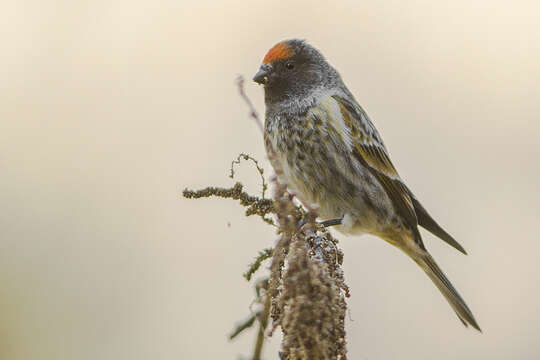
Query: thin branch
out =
(244, 325)
(253, 113)
(259, 169)
(255, 205)
(263, 255)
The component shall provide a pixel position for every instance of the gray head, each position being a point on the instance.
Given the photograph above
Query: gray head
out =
(293, 68)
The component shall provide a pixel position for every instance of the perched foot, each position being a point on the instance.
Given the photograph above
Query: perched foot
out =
(327, 223)
(303, 222)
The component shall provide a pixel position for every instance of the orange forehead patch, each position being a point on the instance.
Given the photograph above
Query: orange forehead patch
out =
(278, 52)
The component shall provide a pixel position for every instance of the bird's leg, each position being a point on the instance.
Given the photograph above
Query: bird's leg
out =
(332, 222)
(303, 222)
(327, 223)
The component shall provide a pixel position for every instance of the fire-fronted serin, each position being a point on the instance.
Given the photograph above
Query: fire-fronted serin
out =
(330, 155)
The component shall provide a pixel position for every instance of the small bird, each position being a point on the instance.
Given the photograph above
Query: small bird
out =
(330, 155)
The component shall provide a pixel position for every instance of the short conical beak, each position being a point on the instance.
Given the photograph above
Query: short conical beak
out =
(261, 77)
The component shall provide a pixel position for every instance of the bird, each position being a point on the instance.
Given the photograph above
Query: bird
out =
(331, 156)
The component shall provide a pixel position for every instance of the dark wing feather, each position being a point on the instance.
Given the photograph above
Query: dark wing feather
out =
(369, 150)
(428, 223)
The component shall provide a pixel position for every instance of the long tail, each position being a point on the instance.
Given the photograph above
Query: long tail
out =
(428, 264)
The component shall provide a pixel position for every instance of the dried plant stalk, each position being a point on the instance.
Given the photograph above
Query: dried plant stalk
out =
(310, 306)
(305, 292)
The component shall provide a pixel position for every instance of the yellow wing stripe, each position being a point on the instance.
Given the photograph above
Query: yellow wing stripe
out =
(363, 144)
(368, 148)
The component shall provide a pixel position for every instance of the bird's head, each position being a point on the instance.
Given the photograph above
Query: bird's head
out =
(293, 68)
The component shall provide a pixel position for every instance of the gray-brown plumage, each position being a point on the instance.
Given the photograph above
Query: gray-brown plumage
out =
(331, 155)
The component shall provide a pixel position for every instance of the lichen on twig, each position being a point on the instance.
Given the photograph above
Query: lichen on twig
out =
(254, 204)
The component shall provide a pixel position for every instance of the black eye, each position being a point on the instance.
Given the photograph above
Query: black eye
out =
(289, 66)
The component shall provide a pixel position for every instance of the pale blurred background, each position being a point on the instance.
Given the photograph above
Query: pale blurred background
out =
(109, 109)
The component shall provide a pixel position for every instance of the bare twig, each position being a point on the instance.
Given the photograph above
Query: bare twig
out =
(255, 205)
(259, 169)
(244, 325)
(263, 255)
(253, 113)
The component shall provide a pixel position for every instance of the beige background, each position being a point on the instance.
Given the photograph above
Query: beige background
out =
(108, 109)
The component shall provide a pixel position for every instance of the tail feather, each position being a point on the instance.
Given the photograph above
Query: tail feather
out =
(430, 267)
(428, 223)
